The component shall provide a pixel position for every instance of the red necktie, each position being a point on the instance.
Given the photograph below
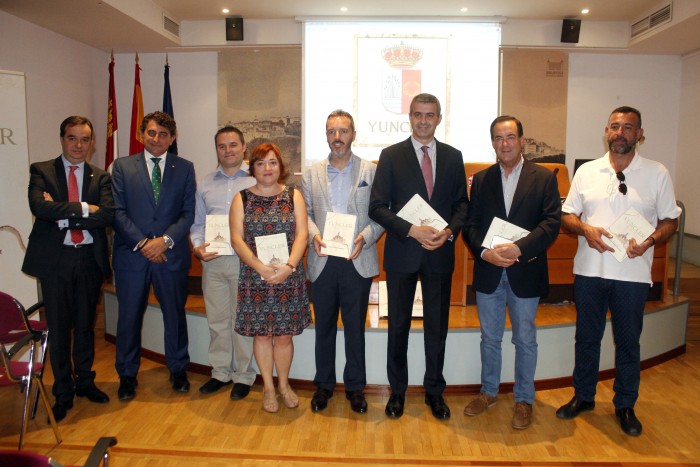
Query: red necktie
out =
(427, 168)
(76, 235)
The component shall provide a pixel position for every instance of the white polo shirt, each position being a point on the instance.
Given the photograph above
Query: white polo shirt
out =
(594, 196)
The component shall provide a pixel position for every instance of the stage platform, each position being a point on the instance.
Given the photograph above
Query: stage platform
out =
(664, 337)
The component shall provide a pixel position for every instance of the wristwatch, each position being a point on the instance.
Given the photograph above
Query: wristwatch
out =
(168, 241)
(292, 267)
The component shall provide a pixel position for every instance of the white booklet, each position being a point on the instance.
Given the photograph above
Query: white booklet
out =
(418, 212)
(338, 234)
(272, 249)
(417, 311)
(628, 226)
(501, 231)
(218, 234)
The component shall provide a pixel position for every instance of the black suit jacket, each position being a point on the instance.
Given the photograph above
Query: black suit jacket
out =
(46, 239)
(536, 207)
(397, 179)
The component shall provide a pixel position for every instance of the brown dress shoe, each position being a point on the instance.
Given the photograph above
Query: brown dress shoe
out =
(522, 418)
(479, 404)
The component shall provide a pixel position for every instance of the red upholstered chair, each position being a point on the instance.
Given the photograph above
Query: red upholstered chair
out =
(98, 455)
(15, 323)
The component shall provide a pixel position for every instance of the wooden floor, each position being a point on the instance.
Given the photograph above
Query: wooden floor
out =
(161, 428)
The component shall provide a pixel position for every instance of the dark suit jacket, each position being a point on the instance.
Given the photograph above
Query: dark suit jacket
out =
(397, 179)
(137, 216)
(536, 207)
(46, 239)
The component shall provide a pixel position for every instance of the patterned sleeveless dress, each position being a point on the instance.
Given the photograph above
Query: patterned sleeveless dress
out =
(266, 309)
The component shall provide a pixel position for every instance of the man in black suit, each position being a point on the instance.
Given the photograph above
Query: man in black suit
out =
(72, 203)
(508, 271)
(435, 171)
(154, 198)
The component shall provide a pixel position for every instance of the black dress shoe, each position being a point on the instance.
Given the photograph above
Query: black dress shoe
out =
(358, 403)
(629, 422)
(394, 408)
(60, 410)
(179, 382)
(127, 388)
(319, 401)
(213, 385)
(438, 406)
(574, 407)
(239, 391)
(93, 395)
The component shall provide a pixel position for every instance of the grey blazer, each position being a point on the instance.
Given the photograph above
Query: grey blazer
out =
(318, 203)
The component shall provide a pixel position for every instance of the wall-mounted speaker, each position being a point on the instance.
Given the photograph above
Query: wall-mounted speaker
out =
(234, 29)
(570, 30)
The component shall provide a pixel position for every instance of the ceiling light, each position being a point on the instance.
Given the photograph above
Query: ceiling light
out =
(343, 9)
(585, 11)
(225, 10)
(464, 10)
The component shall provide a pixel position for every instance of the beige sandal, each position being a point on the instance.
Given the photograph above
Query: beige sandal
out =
(290, 399)
(270, 403)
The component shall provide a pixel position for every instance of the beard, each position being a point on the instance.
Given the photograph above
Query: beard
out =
(621, 146)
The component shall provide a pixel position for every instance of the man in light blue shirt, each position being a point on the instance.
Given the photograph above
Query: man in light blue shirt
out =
(230, 354)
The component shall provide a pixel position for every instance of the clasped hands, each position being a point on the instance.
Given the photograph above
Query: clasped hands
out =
(359, 243)
(429, 237)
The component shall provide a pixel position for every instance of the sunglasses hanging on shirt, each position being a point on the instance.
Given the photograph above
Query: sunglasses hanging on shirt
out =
(622, 188)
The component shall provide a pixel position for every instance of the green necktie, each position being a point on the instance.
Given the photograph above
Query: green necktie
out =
(155, 178)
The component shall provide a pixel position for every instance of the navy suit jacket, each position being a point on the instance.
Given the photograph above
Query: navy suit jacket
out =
(536, 207)
(137, 216)
(46, 239)
(397, 179)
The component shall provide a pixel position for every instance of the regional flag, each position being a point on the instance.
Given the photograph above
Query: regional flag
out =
(112, 149)
(168, 100)
(135, 140)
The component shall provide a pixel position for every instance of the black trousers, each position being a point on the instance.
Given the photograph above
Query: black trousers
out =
(340, 287)
(401, 288)
(71, 293)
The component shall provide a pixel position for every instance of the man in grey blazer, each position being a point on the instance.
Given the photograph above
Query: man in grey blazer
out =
(341, 183)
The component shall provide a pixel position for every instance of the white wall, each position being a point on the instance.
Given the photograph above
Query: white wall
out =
(63, 78)
(598, 83)
(687, 160)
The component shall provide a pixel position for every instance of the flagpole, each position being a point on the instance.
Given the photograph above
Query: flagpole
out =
(112, 151)
(135, 139)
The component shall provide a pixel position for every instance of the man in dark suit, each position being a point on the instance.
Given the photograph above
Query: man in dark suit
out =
(72, 203)
(154, 195)
(435, 171)
(507, 271)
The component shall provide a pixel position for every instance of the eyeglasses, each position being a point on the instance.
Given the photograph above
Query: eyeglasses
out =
(622, 188)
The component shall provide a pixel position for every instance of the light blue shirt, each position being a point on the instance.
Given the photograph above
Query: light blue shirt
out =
(510, 183)
(63, 223)
(339, 186)
(215, 192)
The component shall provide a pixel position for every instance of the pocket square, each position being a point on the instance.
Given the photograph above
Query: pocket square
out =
(362, 183)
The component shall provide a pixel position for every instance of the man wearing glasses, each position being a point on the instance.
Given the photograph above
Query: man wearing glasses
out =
(603, 190)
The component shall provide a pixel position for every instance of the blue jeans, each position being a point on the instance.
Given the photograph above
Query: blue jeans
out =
(492, 319)
(626, 300)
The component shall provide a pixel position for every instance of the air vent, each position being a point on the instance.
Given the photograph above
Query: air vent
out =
(171, 26)
(651, 22)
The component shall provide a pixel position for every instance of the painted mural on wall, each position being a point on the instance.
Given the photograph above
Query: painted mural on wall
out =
(259, 94)
(534, 89)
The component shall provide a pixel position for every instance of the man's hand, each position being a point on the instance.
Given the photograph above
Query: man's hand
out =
(497, 256)
(47, 196)
(429, 237)
(318, 243)
(635, 249)
(359, 245)
(155, 250)
(594, 237)
(92, 209)
(200, 252)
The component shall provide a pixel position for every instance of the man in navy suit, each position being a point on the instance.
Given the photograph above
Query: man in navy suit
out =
(435, 171)
(67, 252)
(506, 272)
(154, 196)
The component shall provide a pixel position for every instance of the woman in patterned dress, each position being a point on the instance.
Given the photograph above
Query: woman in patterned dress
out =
(272, 301)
